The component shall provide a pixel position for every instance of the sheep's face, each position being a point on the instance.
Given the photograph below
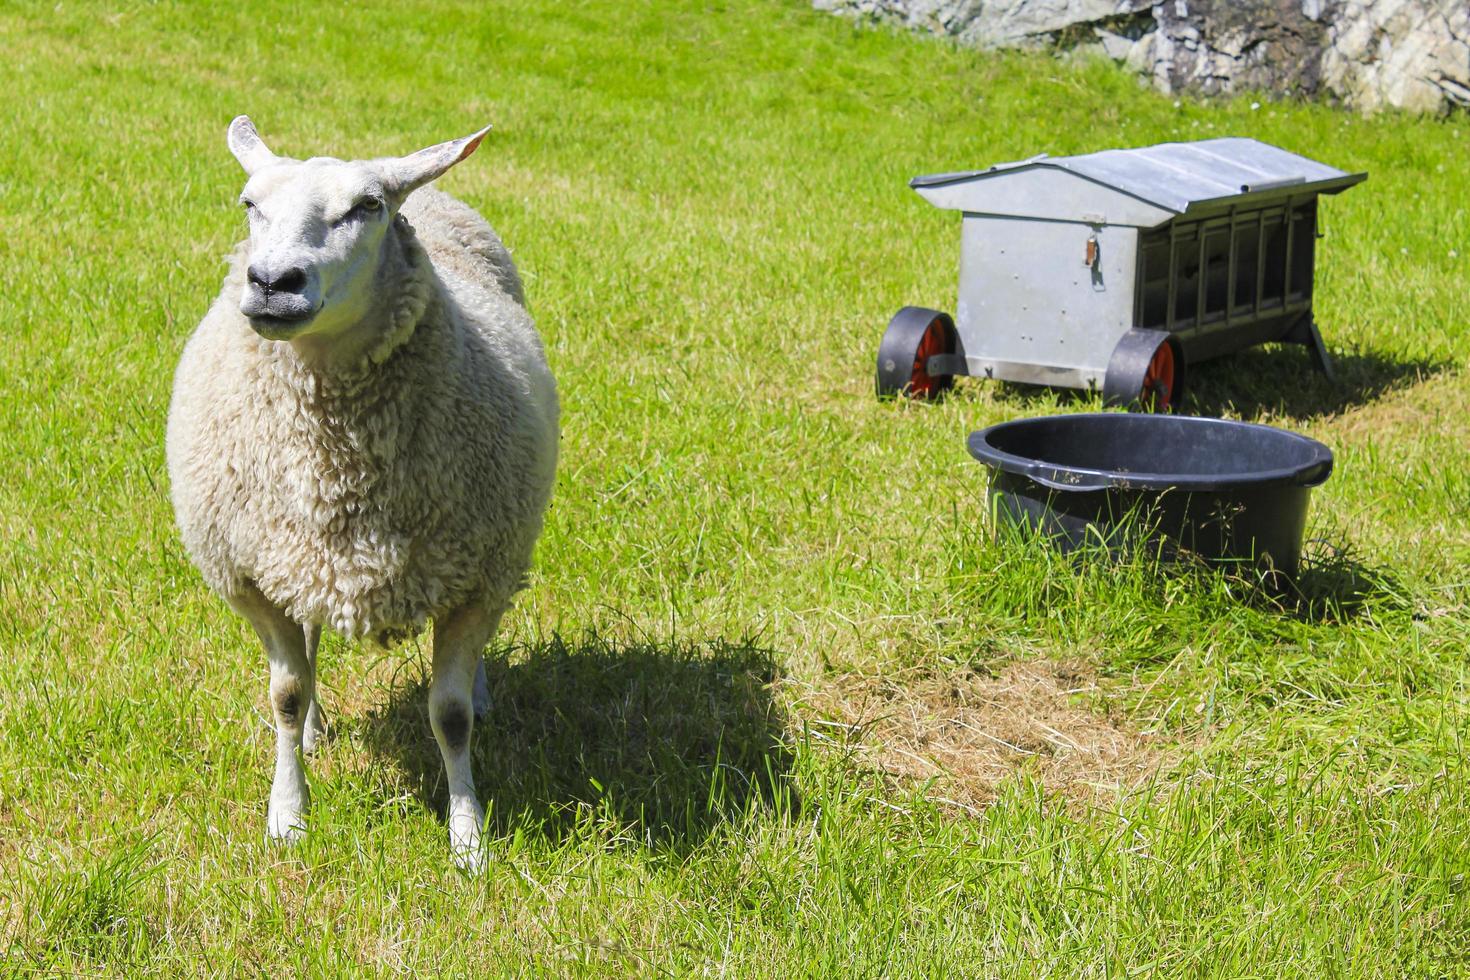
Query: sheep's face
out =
(316, 234)
(317, 231)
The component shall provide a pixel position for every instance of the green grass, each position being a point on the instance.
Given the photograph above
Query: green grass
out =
(708, 204)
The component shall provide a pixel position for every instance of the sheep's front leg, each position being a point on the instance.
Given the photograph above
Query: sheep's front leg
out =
(459, 639)
(316, 720)
(292, 688)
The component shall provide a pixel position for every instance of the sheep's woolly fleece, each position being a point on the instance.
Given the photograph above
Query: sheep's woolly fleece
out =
(374, 500)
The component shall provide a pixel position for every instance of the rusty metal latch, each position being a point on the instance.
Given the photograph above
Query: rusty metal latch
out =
(1091, 260)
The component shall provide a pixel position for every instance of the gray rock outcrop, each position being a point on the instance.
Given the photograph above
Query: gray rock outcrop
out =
(1370, 54)
(1412, 54)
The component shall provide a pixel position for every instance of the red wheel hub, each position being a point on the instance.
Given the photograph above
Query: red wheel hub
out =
(1158, 381)
(935, 341)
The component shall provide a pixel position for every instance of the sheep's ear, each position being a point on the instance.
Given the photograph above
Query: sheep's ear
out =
(402, 175)
(247, 146)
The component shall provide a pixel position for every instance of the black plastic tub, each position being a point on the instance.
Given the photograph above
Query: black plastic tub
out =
(1227, 491)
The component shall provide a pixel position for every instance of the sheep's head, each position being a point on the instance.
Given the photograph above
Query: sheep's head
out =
(317, 229)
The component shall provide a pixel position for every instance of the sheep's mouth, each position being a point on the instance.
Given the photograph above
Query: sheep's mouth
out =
(277, 314)
(280, 327)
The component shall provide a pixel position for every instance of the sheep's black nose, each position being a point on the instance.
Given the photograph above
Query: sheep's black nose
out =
(288, 281)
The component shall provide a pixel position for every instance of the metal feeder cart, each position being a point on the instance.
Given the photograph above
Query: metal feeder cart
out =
(1115, 270)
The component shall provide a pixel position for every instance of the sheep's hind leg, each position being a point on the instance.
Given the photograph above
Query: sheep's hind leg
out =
(481, 696)
(316, 721)
(292, 687)
(459, 639)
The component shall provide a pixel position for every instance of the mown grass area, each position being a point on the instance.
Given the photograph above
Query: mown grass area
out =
(755, 576)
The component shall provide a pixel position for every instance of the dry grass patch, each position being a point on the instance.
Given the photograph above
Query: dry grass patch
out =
(965, 733)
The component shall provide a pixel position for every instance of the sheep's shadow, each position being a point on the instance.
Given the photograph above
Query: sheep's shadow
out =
(666, 740)
(1277, 377)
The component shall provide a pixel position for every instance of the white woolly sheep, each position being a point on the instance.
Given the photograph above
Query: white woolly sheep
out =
(363, 436)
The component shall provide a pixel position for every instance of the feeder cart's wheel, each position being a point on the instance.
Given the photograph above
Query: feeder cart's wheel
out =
(915, 335)
(1145, 372)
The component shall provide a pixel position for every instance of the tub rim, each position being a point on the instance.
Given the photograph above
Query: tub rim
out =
(1058, 476)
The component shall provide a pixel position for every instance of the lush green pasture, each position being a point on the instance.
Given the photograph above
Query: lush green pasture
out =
(775, 703)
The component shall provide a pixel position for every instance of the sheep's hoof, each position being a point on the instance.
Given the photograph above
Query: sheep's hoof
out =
(466, 837)
(285, 825)
(470, 860)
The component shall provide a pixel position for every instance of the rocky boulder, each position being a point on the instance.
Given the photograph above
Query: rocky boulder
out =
(1370, 54)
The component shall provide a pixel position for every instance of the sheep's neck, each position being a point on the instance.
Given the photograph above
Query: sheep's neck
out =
(399, 295)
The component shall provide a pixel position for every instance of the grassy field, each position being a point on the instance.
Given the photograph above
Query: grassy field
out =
(776, 703)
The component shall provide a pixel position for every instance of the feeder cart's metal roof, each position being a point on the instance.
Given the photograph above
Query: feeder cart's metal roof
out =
(1145, 186)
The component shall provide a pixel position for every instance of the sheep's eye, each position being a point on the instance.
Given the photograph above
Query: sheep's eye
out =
(366, 208)
(250, 208)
